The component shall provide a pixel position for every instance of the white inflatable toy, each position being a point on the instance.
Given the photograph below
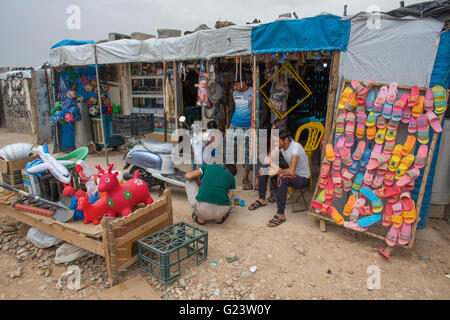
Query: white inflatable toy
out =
(56, 167)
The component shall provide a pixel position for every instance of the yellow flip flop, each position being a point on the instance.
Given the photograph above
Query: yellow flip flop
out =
(396, 157)
(404, 166)
(344, 97)
(409, 216)
(381, 135)
(371, 132)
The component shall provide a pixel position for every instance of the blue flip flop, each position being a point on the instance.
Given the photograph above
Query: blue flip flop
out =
(364, 160)
(356, 186)
(370, 100)
(387, 111)
(377, 205)
(354, 167)
(367, 221)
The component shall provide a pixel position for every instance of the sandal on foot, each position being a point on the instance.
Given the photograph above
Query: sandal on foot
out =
(255, 205)
(246, 185)
(195, 217)
(275, 221)
(223, 218)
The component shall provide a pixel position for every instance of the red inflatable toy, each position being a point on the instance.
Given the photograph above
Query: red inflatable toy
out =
(121, 199)
(93, 212)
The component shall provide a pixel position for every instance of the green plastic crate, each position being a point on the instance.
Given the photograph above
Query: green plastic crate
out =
(162, 253)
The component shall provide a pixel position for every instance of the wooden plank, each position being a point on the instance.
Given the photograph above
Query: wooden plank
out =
(168, 196)
(423, 184)
(140, 212)
(140, 231)
(48, 225)
(333, 84)
(329, 139)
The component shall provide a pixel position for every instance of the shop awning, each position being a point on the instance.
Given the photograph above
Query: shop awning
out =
(322, 32)
(204, 44)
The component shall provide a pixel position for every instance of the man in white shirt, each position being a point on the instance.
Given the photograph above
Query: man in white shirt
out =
(296, 176)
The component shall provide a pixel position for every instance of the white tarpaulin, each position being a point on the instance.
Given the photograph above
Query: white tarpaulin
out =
(204, 44)
(401, 50)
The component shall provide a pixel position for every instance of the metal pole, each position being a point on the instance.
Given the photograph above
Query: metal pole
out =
(100, 105)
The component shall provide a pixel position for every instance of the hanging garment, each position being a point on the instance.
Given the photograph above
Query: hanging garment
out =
(170, 107)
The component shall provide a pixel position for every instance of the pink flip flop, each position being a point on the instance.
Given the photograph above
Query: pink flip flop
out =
(434, 122)
(337, 179)
(392, 93)
(386, 221)
(337, 164)
(428, 102)
(353, 225)
(339, 144)
(389, 178)
(368, 177)
(421, 157)
(359, 88)
(379, 101)
(340, 125)
(412, 126)
(410, 175)
(350, 124)
(329, 191)
(392, 236)
(414, 96)
(397, 112)
(389, 147)
(345, 157)
(378, 181)
(375, 162)
(381, 122)
(406, 117)
(406, 201)
(376, 150)
(405, 234)
(359, 152)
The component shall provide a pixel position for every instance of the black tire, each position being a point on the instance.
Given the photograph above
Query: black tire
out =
(146, 176)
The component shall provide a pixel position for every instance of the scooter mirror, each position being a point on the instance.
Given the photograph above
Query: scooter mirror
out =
(182, 119)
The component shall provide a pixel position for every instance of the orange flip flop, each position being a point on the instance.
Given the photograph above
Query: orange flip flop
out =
(409, 145)
(337, 216)
(349, 205)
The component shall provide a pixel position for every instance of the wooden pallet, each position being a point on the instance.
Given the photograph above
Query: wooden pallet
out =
(323, 219)
(112, 239)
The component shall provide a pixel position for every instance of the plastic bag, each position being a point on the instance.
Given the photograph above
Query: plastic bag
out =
(41, 239)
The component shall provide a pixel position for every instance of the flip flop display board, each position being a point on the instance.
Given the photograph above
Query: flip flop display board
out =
(373, 159)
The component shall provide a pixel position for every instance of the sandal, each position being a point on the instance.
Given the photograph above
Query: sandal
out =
(223, 218)
(246, 185)
(275, 221)
(195, 217)
(255, 205)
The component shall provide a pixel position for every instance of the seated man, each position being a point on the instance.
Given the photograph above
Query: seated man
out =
(296, 176)
(213, 199)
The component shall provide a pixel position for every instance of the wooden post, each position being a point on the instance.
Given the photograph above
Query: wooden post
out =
(164, 101)
(332, 88)
(109, 242)
(34, 108)
(424, 183)
(125, 84)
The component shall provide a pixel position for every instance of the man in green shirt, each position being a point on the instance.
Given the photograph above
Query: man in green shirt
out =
(211, 200)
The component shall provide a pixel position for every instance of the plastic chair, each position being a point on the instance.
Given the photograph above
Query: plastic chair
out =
(315, 133)
(78, 154)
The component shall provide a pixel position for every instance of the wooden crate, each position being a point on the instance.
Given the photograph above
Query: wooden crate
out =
(112, 239)
(11, 171)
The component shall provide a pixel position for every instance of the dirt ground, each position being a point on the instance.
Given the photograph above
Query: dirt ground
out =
(294, 261)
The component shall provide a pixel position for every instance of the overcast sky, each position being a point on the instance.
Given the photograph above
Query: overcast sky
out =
(28, 28)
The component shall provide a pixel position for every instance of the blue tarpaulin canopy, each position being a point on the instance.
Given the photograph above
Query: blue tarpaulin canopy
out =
(322, 32)
(69, 42)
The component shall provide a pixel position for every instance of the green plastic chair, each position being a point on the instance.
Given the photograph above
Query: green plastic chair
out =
(78, 154)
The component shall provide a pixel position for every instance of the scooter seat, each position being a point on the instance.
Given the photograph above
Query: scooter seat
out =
(157, 146)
